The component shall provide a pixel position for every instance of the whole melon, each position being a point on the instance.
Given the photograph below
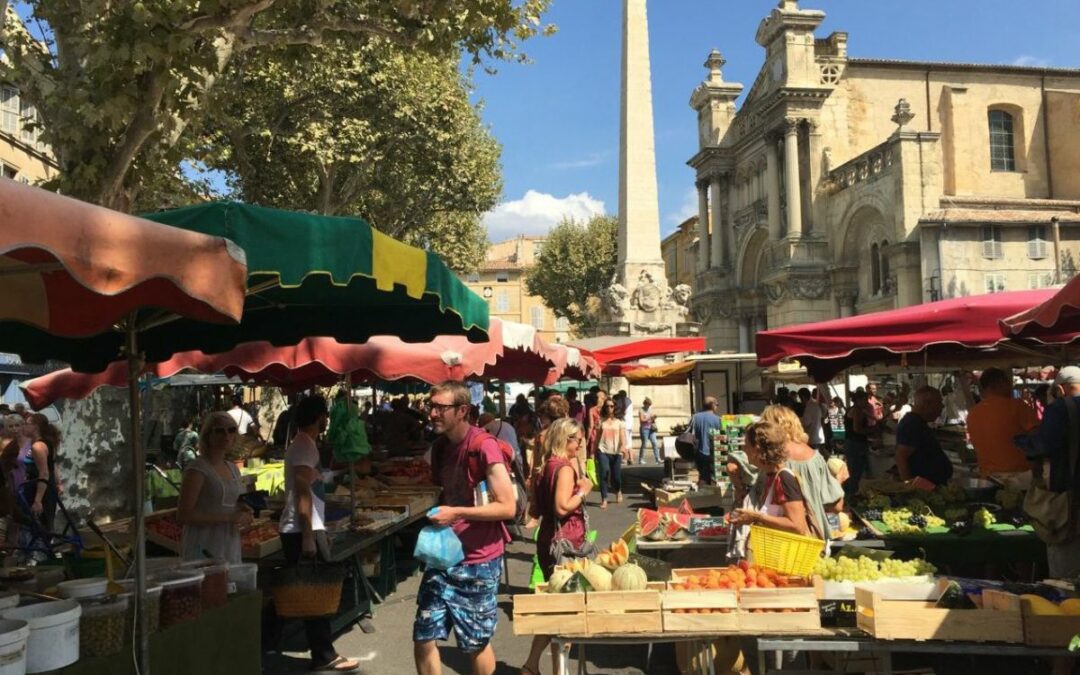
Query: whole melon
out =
(558, 580)
(598, 577)
(629, 577)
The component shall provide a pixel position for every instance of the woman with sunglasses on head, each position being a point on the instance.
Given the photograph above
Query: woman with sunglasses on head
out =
(610, 449)
(208, 496)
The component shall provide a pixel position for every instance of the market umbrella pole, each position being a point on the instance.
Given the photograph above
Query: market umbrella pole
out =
(138, 456)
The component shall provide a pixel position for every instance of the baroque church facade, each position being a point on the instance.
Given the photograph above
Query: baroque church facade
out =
(844, 185)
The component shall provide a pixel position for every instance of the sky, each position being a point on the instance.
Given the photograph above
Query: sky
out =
(558, 117)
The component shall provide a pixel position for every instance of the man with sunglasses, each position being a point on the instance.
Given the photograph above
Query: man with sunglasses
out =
(464, 596)
(303, 532)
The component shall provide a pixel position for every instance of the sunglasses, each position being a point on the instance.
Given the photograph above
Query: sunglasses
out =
(225, 430)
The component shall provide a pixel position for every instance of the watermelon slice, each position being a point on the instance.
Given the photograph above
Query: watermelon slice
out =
(648, 522)
(674, 531)
(686, 508)
(666, 509)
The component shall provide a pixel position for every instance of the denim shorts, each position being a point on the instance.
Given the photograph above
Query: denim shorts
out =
(465, 597)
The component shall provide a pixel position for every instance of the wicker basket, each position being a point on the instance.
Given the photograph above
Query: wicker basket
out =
(306, 591)
(784, 552)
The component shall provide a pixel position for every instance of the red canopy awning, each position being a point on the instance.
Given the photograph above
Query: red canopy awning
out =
(940, 330)
(514, 353)
(621, 349)
(1056, 320)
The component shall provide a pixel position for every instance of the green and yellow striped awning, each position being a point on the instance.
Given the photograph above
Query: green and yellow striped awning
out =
(312, 275)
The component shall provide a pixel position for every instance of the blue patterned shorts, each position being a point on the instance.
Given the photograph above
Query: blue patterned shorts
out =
(463, 596)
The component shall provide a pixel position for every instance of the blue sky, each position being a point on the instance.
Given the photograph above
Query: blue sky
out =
(558, 118)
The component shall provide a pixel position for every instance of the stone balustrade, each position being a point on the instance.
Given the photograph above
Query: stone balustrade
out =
(867, 166)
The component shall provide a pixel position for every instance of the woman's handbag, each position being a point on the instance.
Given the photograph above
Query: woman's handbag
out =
(307, 590)
(563, 550)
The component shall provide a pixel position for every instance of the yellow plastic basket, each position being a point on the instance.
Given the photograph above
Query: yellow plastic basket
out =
(784, 552)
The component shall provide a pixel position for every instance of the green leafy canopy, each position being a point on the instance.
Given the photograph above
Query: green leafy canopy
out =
(575, 265)
(123, 87)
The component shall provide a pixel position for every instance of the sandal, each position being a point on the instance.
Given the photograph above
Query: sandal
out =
(603, 505)
(338, 665)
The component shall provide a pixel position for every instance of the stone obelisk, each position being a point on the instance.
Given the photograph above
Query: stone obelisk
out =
(639, 207)
(640, 301)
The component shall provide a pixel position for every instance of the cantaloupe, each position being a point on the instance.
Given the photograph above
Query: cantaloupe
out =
(598, 577)
(620, 551)
(629, 577)
(558, 580)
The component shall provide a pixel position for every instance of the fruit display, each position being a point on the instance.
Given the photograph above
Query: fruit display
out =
(615, 555)
(846, 568)
(905, 521)
(166, 526)
(415, 471)
(258, 533)
(736, 577)
(667, 522)
(598, 577)
(629, 577)
(983, 518)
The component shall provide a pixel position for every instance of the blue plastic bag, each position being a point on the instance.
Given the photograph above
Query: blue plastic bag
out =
(438, 546)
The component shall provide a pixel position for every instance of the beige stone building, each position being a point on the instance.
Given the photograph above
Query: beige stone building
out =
(679, 251)
(23, 156)
(501, 282)
(847, 185)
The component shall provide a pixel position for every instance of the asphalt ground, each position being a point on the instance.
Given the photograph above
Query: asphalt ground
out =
(388, 650)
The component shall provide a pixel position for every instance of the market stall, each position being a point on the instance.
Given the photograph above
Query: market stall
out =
(958, 332)
(302, 280)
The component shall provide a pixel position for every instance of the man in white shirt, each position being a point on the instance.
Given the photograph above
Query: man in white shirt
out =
(240, 416)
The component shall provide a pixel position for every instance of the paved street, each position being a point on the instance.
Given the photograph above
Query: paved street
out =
(388, 651)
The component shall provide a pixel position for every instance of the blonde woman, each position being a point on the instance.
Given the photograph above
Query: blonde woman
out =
(822, 491)
(208, 495)
(560, 499)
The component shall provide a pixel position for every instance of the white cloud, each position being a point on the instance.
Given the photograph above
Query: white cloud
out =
(1031, 61)
(592, 159)
(538, 212)
(687, 209)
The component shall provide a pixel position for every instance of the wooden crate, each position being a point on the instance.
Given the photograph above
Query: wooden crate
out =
(621, 612)
(1040, 630)
(779, 610)
(676, 620)
(543, 613)
(263, 549)
(917, 620)
(152, 536)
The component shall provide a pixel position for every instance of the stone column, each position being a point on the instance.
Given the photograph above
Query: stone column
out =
(730, 178)
(791, 177)
(744, 335)
(773, 187)
(703, 225)
(845, 298)
(729, 232)
(720, 252)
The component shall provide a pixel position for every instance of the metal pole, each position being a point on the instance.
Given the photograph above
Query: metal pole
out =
(138, 458)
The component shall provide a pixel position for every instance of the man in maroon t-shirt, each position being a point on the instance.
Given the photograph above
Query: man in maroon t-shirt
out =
(464, 596)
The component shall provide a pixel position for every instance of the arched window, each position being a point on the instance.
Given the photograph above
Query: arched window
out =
(875, 270)
(1002, 141)
(886, 282)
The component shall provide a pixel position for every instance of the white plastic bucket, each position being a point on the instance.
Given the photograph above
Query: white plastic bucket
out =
(83, 588)
(54, 633)
(244, 576)
(13, 637)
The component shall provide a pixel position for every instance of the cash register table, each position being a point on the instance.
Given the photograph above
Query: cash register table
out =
(223, 641)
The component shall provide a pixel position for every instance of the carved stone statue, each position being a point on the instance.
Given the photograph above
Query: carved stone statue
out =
(648, 296)
(615, 298)
(682, 295)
